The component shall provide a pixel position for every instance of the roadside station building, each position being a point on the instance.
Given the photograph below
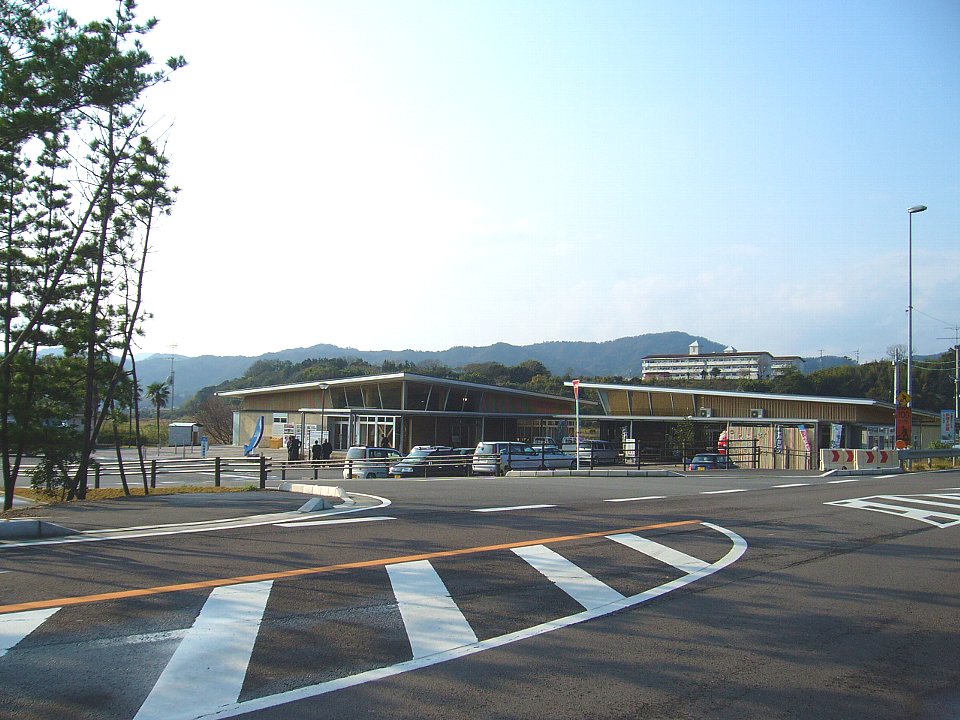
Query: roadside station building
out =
(398, 410)
(761, 430)
(402, 410)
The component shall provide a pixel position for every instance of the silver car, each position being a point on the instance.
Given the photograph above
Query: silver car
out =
(497, 458)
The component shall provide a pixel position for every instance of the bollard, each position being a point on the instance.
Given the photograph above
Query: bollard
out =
(263, 472)
(216, 471)
(153, 474)
(96, 476)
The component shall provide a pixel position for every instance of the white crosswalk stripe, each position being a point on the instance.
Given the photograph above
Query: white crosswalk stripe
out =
(210, 663)
(677, 559)
(941, 510)
(432, 619)
(576, 582)
(15, 627)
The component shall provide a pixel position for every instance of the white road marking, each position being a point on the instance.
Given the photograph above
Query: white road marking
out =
(679, 560)
(739, 547)
(210, 664)
(919, 500)
(792, 485)
(16, 626)
(937, 519)
(841, 482)
(722, 492)
(346, 521)
(132, 533)
(433, 621)
(513, 507)
(648, 497)
(573, 580)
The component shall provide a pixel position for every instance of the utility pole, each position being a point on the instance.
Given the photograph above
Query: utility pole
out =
(956, 375)
(173, 349)
(896, 374)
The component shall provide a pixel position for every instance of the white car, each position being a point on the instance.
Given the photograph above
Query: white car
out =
(369, 462)
(497, 458)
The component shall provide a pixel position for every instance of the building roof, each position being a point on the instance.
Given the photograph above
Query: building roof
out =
(711, 355)
(862, 402)
(400, 376)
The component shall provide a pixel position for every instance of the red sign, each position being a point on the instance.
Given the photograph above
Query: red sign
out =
(576, 388)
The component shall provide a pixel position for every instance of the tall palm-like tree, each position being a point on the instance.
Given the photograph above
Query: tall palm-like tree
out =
(159, 394)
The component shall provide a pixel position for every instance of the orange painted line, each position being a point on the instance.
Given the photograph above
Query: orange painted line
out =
(281, 574)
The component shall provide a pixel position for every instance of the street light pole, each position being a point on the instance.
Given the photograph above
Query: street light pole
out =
(323, 407)
(910, 213)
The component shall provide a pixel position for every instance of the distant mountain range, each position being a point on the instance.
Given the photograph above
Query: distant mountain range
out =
(622, 357)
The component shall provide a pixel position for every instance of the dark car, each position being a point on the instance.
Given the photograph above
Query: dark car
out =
(431, 461)
(711, 461)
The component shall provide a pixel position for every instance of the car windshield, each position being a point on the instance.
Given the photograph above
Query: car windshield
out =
(417, 456)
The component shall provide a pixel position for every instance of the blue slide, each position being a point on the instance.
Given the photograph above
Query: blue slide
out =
(255, 440)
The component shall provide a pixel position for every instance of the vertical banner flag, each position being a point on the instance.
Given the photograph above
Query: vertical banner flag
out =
(948, 426)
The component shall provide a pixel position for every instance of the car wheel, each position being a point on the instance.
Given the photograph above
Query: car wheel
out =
(505, 470)
(573, 465)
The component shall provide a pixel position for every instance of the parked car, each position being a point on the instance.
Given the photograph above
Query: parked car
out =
(711, 461)
(592, 452)
(431, 461)
(496, 458)
(363, 461)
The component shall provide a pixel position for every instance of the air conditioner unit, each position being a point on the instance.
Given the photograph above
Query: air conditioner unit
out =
(758, 413)
(706, 412)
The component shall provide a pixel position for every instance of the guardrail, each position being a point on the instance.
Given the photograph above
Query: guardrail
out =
(215, 466)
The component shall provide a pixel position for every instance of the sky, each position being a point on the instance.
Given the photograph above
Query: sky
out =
(419, 174)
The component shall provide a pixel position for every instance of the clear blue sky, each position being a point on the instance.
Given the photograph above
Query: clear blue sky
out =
(390, 175)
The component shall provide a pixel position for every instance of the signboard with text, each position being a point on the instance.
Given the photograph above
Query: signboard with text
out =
(948, 426)
(904, 427)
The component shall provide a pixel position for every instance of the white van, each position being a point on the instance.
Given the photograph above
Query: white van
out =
(497, 458)
(369, 462)
(592, 452)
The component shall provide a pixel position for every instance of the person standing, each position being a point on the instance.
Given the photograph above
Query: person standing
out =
(326, 450)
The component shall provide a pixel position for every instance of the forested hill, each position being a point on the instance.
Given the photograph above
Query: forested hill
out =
(622, 357)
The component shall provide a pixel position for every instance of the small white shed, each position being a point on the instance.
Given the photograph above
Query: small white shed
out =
(184, 434)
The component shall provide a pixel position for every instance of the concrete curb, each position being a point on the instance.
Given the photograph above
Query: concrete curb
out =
(19, 528)
(593, 473)
(866, 471)
(308, 489)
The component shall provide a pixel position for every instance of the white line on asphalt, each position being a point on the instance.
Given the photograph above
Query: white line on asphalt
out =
(916, 499)
(329, 686)
(210, 664)
(792, 485)
(679, 560)
(722, 492)
(15, 627)
(841, 482)
(648, 497)
(432, 619)
(514, 507)
(573, 580)
(347, 521)
(938, 519)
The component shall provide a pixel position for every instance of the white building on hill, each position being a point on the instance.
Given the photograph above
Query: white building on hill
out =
(728, 365)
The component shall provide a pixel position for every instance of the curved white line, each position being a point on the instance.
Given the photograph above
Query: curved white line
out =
(241, 708)
(199, 526)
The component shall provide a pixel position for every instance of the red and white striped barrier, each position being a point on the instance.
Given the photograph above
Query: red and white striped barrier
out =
(858, 459)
